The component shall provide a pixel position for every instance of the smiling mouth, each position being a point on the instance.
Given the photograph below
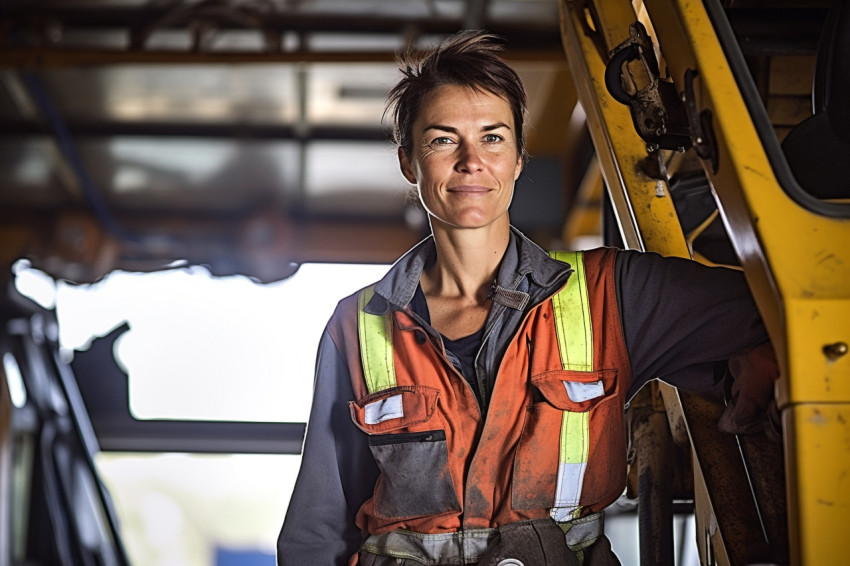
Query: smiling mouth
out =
(470, 189)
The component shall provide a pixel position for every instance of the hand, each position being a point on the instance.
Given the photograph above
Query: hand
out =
(755, 372)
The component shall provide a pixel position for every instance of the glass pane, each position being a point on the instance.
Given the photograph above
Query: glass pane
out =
(350, 94)
(257, 94)
(213, 348)
(351, 178)
(231, 171)
(27, 168)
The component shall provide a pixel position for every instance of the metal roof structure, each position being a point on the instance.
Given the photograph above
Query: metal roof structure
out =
(242, 135)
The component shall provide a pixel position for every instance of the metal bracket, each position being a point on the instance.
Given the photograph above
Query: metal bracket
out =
(704, 141)
(657, 111)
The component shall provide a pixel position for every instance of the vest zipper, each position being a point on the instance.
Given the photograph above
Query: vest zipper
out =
(428, 330)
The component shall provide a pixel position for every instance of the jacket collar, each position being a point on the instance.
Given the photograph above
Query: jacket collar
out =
(523, 259)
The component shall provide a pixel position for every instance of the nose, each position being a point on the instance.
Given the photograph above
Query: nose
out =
(470, 159)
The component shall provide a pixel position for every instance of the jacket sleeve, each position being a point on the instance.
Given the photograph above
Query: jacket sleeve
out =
(680, 318)
(337, 474)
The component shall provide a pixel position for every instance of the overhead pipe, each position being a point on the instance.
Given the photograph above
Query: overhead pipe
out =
(72, 156)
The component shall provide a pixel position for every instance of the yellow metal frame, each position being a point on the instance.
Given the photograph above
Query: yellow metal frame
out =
(797, 262)
(647, 221)
(619, 150)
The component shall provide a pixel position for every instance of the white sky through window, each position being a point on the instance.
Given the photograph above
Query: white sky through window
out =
(213, 348)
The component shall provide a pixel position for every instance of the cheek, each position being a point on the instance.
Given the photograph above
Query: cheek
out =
(430, 172)
(422, 192)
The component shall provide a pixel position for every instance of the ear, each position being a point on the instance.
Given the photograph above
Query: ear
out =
(518, 167)
(406, 167)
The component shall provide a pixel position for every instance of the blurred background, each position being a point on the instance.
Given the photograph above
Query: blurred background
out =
(187, 188)
(194, 185)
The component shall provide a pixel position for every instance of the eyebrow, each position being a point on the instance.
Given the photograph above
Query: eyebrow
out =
(450, 129)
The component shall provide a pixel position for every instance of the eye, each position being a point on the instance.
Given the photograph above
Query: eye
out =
(493, 138)
(442, 140)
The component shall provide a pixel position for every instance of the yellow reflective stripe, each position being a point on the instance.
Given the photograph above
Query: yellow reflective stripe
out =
(574, 331)
(575, 435)
(572, 462)
(376, 345)
(572, 317)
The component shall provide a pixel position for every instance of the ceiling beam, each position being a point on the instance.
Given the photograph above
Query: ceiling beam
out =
(282, 21)
(41, 57)
(236, 131)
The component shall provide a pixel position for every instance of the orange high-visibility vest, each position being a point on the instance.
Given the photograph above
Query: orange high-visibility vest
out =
(552, 443)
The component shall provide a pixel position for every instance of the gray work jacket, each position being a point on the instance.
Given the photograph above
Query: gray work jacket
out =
(679, 318)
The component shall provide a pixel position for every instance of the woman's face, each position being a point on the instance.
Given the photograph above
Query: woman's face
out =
(465, 158)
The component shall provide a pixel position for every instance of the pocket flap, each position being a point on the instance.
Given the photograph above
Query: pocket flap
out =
(394, 408)
(576, 391)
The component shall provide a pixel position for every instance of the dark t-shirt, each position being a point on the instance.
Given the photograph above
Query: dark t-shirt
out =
(646, 313)
(462, 351)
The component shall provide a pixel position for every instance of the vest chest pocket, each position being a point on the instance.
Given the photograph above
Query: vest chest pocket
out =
(415, 476)
(569, 424)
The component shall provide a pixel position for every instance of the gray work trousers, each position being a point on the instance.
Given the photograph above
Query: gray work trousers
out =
(528, 543)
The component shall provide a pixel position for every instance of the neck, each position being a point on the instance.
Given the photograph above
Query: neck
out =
(467, 261)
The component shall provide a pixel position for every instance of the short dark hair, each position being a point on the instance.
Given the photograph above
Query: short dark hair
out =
(467, 58)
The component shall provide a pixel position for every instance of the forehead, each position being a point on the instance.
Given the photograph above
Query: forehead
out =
(453, 105)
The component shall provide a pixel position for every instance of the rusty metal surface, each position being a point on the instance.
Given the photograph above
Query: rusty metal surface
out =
(725, 478)
(659, 474)
(655, 464)
(766, 464)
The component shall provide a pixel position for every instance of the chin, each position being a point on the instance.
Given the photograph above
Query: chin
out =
(470, 220)
(473, 224)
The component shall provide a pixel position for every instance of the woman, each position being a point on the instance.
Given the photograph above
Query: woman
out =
(468, 407)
